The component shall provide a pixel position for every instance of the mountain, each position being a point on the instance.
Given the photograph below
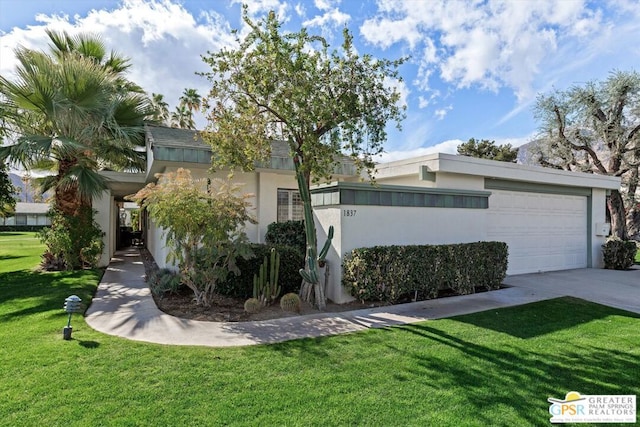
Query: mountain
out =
(26, 191)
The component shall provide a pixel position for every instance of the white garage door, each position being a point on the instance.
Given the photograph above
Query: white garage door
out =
(544, 232)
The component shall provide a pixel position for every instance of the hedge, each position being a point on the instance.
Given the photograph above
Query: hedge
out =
(390, 273)
(291, 261)
(619, 254)
(288, 233)
(22, 228)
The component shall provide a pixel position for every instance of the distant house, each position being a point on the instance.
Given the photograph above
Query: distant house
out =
(551, 220)
(28, 214)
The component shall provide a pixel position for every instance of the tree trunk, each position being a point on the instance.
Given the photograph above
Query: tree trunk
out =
(615, 204)
(633, 206)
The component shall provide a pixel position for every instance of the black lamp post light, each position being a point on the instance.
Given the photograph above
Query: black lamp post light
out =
(71, 305)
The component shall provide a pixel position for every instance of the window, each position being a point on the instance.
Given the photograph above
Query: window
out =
(289, 205)
(21, 219)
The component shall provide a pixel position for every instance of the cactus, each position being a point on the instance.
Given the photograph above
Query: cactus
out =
(252, 305)
(311, 287)
(266, 289)
(290, 302)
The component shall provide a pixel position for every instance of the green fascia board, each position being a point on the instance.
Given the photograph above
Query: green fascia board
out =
(532, 187)
(203, 156)
(362, 194)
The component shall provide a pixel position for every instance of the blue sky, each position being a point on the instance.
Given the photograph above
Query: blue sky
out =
(475, 67)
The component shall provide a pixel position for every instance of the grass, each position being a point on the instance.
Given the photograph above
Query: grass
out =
(493, 368)
(19, 250)
(638, 257)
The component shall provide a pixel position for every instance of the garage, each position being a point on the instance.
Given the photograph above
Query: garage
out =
(545, 232)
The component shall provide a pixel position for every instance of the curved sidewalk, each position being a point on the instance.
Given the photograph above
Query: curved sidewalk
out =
(123, 306)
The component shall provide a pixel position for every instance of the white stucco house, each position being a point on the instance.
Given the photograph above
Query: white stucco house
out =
(551, 219)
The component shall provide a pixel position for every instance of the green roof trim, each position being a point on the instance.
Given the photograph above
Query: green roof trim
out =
(534, 187)
(187, 146)
(361, 194)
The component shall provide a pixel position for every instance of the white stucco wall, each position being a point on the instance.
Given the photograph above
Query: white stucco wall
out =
(365, 226)
(599, 218)
(106, 209)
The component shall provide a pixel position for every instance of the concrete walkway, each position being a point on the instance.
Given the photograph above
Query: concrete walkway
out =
(123, 306)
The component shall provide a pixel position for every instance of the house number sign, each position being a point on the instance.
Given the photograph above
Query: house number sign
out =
(349, 212)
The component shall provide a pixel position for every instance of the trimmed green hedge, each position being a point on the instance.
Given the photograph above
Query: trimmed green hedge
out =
(619, 254)
(22, 227)
(389, 273)
(291, 261)
(288, 233)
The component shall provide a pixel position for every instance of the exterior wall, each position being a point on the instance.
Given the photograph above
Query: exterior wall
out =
(598, 220)
(263, 186)
(363, 226)
(106, 209)
(156, 245)
(267, 198)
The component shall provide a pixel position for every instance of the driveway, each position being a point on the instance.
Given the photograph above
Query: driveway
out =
(620, 289)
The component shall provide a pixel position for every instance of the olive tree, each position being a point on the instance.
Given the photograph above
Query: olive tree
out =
(328, 105)
(485, 149)
(203, 221)
(595, 128)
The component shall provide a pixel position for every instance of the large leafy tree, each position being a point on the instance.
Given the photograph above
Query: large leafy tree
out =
(595, 128)
(327, 105)
(485, 149)
(72, 111)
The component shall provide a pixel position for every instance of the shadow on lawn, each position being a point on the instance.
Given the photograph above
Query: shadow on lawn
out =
(532, 322)
(508, 375)
(41, 292)
(6, 257)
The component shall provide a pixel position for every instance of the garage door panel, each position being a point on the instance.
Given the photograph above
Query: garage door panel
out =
(544, 232)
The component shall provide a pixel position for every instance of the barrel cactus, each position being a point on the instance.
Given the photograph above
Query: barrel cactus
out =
(290, 302)
(252, 305)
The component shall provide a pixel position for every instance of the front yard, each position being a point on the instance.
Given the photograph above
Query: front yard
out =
(492, 368)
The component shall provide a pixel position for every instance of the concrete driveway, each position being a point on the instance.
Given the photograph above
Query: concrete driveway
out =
(620, 289)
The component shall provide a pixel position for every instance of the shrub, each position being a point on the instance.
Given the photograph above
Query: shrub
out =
(241, 286)
(22, 227)
(164, 281)
(389, 273)
(203, 221)
(619, 254)
(72, 241)
(288, 233)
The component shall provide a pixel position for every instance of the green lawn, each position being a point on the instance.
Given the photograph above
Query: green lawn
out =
(494, 368)
(19, 250)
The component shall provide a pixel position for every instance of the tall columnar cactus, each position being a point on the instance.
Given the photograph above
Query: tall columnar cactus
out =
(311, 283)
(265, 287)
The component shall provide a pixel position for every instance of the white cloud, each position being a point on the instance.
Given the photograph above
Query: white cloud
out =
(261, 7)
(330, 19)
(441, 113)
(493, 44)
(449, 147)
(163, 40)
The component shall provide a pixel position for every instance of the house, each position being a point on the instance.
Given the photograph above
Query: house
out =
(551, 219)
(272, 183)
(28, 214)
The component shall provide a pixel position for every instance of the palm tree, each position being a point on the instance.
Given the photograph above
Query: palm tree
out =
(191, 99)
(182, 118)
(73, 112)
(160, 109)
